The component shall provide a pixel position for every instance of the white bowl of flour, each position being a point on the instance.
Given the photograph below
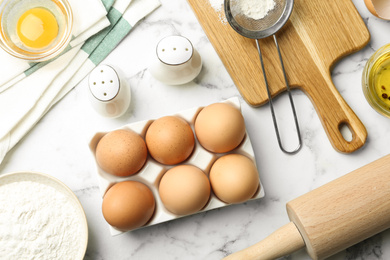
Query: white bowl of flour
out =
(40, 218)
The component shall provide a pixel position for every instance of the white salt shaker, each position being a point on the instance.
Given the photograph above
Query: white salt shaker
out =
(109, 95)
(176, 61)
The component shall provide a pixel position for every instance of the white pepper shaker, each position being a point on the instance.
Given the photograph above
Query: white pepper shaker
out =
(109, 95)
(176, 61)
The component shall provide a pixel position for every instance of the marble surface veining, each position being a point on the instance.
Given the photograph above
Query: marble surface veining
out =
(58, 145)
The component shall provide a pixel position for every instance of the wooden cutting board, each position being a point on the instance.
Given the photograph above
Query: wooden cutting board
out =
(317, 35)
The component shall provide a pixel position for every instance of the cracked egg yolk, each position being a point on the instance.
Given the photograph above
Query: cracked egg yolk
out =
(37, 28)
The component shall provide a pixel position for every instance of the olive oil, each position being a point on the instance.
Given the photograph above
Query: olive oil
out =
(380, 79)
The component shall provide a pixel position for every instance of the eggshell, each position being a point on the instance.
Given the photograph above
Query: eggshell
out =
(121, 152)
(370, 7)
(128, 205)
(234, 178)
(170, 140)
(184, 189)
(220, 127)
(379, 8)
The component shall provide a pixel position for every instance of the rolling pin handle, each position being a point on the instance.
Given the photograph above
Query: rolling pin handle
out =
(283, 241)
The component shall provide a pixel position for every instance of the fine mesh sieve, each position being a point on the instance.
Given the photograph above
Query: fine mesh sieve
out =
(257, 29)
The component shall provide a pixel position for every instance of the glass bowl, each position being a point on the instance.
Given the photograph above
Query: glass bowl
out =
(376, 81)
(12, 10)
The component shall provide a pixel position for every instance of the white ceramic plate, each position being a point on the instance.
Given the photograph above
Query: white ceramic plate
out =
(77, 210)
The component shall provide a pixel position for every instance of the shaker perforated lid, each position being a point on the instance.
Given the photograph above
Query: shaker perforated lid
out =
(104, 83)
(174, 50)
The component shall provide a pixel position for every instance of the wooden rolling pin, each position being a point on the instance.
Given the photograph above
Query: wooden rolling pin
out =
(332, 217)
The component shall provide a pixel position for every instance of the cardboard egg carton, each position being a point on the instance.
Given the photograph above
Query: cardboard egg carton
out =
(152, 172)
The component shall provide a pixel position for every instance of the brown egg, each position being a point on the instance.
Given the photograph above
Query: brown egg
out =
(128, 205)
(220, 127)
(121, 152)
(184, 189)
(234, 178)
(170, 140)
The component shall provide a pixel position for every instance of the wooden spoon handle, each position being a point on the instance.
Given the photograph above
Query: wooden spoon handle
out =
(334, 112)
(283, 241)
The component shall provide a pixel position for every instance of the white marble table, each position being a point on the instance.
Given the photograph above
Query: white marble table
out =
(58, 145)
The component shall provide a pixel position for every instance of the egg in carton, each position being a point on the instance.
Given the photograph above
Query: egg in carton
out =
(153, 171)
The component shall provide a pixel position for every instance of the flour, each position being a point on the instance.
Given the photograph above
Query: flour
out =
(38, 222)
(256, 9)
(217, 5)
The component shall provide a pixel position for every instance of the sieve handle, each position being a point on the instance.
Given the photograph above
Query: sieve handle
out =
(299, 146)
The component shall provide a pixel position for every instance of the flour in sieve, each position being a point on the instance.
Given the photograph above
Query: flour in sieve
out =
(38, 222)
(256, 9)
